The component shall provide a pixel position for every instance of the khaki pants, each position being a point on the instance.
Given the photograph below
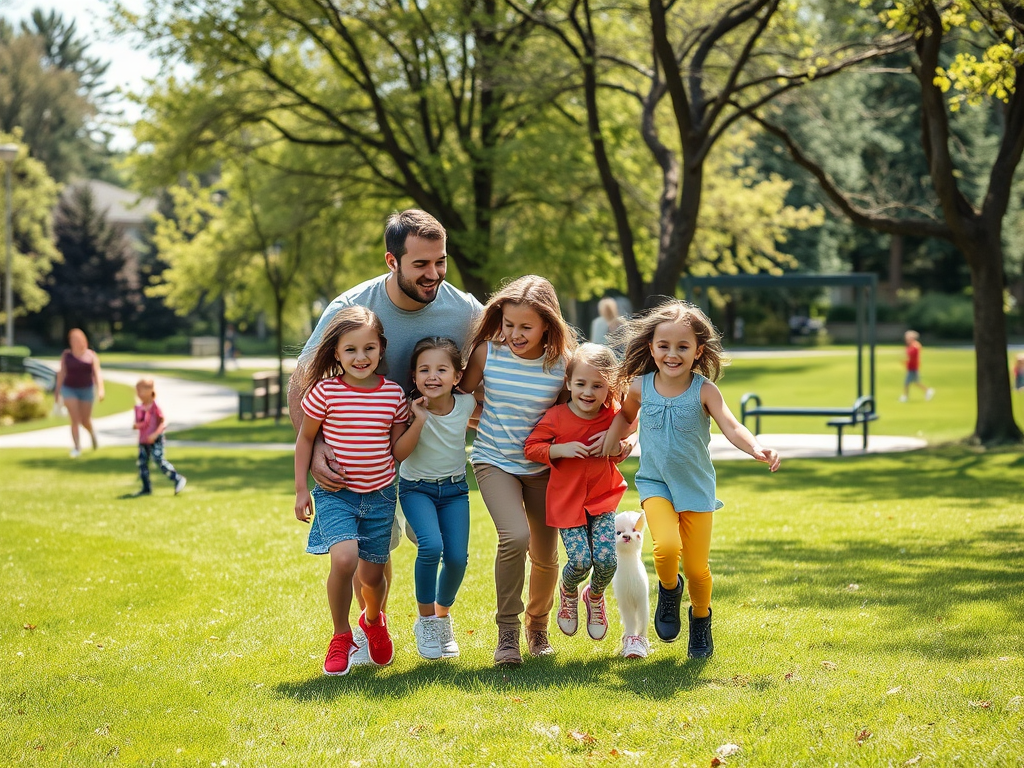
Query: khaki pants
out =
(516, 505)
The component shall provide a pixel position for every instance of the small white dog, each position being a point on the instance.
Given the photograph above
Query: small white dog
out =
(631, 585)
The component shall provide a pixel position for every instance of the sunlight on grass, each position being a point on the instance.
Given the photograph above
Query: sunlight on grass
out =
(878, 595)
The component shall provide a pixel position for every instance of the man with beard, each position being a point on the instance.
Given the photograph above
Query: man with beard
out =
(412, 301)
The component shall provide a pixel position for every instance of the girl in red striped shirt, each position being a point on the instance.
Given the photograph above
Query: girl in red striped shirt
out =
(361, 414)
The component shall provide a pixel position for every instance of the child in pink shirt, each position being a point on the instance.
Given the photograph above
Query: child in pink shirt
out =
(150, 423)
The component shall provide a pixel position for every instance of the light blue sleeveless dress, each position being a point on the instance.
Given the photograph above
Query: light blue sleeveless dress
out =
(675, 460)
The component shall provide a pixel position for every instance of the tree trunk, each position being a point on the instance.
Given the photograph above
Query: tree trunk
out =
(222, 335)
(674, 249)
(995, 423)
(278, 406)
(895, 266)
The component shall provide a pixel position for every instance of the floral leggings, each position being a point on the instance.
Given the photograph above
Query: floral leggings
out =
(156, 450)
(590, 546)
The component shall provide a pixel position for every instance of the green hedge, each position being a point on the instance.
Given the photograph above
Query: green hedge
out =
(21, 399)
(944, 315)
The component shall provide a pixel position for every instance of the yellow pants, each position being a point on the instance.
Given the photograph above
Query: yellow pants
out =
(682, 536)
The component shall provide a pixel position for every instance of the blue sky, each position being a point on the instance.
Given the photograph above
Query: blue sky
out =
(128, 69)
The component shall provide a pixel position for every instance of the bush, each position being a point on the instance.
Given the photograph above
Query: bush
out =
(945, 315)
(772, 330)
(21, 399)
(15, 351)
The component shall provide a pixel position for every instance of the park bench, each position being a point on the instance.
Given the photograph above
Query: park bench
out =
(264, 399)
(41, 373)
(861, 412)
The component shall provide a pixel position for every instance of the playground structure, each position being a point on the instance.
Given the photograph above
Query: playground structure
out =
(865, 290)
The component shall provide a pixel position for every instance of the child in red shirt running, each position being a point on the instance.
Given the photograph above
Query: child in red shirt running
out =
(150, 423)
(914, 367)
(585, 487)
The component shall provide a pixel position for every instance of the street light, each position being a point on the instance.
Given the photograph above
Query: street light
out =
(7, 153)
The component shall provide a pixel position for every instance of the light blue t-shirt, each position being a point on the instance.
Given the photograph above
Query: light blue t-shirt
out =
(517, 392)
(452, 313)
(675, 454)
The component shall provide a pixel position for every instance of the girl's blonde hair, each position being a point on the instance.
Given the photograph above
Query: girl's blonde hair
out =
(637, 335)
(443, 343)
(324, 362)
(603, 360)
(146, 383)
(539, 295)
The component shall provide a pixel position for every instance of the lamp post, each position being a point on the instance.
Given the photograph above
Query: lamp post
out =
(7, 153)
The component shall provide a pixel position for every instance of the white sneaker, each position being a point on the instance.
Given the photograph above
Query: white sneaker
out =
(449, 646)
(568, 612)
(903, 398)
(362, 655)
(179, 486)
(75, 453)
(929, 394)
(428, 637)
(635, 647)
(597, 618)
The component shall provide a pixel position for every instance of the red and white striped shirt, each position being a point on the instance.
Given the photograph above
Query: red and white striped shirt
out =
(357, 426)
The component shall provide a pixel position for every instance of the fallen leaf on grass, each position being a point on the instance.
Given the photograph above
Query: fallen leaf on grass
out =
(981, 704)
(741, 681)
(29, 626)
(1004, 658)
(894, 691)
(415, 730)
(727, 750)
(829, 665)
(582, 737)
(914, 760)
(863, 735)
(517, 699)
(715, 762)
(469, 631)
(852, 587)
(789, 675)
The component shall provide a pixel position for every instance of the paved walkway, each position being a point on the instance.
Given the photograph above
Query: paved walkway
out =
(190, 404)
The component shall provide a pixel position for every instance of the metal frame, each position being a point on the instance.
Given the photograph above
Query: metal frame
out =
(865, 285)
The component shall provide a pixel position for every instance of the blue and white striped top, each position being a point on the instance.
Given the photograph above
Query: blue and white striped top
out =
(517, 392)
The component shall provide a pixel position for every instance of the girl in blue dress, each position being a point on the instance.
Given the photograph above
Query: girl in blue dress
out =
(673, 357)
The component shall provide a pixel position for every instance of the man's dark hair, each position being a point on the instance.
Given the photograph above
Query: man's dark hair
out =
(411, 222)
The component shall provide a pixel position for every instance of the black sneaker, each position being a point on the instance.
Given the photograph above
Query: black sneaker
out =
(666, 616)
(701, 645)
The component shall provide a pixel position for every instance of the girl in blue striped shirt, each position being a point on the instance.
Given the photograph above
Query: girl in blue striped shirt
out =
(519, 352)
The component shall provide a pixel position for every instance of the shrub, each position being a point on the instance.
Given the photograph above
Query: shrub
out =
(948, 316)
(21, 399)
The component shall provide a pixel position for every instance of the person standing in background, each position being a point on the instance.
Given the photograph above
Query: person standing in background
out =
(79, 383)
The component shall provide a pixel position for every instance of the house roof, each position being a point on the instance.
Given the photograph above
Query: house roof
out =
(122, 206)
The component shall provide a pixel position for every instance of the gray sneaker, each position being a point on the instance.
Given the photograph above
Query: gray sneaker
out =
(362, 654)
(449, 647)
(427, 630)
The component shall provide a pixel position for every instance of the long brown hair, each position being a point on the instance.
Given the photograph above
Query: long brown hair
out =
(443, 343)
(603, 360)
(637, 334)
(324, 362)
(539, 295)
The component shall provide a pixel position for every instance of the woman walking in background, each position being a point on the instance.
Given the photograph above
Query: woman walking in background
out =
(79, 382)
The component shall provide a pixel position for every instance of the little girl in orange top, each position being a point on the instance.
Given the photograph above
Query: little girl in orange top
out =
(585, 487)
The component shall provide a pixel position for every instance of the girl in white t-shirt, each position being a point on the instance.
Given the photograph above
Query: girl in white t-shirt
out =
(434, 491)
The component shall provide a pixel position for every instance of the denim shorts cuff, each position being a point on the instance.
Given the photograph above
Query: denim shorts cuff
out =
(325, 548)
(373, 557)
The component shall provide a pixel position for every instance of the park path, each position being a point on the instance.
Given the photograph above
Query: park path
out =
(191, 404)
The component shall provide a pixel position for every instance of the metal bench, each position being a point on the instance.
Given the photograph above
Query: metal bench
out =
(45, 376)
(861, 412)
(264, 399)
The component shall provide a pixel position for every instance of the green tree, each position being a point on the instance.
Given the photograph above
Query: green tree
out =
(47, 102)
(710, 65)
(970, 216)
(94, 282)
(433, 104)
(33, 196)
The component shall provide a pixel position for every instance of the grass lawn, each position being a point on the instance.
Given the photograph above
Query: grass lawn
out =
(876, 623)
(119, 398)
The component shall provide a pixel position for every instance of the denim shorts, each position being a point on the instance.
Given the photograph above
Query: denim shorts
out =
(912, 378)
(346, 515)
(85, 394)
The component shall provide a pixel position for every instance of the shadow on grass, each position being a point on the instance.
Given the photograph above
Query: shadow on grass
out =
(917, 588)
(655, 679)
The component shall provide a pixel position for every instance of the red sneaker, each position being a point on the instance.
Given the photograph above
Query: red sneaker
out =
(339, 652)
(378, 641)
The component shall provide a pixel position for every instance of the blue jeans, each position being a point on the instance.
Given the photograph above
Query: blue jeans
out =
(590, 546)
(438, 511)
